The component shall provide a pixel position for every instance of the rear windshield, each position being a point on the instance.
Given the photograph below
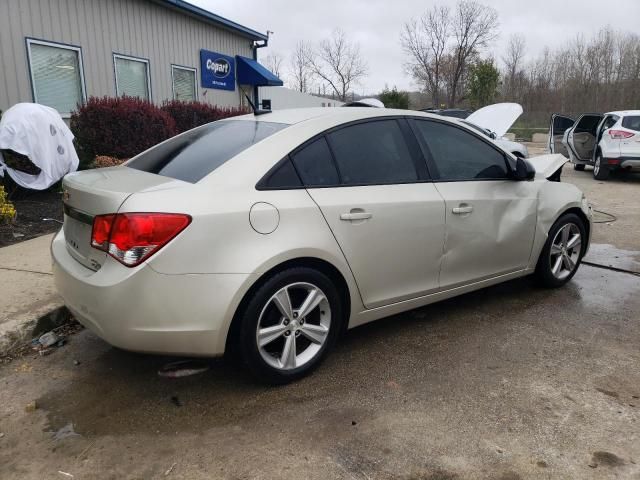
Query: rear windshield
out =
(632, 123)
(195, 154)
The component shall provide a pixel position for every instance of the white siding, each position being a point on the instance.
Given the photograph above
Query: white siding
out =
(282, 97)
(138, 28)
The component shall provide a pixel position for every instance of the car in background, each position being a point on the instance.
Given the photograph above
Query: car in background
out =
(272, 234)
(608, 142)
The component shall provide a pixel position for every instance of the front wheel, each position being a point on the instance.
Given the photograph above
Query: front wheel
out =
(562, 253)
(290, 324)
(600, 170)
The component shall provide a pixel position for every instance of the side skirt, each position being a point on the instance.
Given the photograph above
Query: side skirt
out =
(372, 314)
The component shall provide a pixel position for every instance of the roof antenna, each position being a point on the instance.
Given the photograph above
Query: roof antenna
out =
(256, 111)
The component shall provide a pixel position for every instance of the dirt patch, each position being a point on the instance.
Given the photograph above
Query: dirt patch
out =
(607, 459)
(32, 207)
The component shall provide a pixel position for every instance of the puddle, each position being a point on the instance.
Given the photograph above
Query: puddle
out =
(610, 256)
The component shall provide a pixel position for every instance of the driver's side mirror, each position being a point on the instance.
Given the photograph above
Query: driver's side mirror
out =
(524, 170)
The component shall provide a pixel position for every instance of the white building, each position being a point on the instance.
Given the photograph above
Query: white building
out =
(282, 97)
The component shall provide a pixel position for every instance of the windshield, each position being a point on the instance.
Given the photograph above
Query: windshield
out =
(198, 152)
(483, 131)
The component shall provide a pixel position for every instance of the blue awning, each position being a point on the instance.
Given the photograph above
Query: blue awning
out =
(250, 72)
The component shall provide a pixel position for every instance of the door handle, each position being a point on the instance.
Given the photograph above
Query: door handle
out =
(462, 209)
(355, 216)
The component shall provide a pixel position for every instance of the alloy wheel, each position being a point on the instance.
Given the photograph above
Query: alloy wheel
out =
(596, 167)
(293, 326)
(565, 251)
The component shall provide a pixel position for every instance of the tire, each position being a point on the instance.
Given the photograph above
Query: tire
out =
(600, 171)
(313, 335)
(578, 166)
(548, 273)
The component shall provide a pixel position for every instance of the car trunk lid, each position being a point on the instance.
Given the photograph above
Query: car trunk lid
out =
(98, 192)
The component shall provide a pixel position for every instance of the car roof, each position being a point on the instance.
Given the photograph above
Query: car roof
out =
(624, 113)
(340, 114)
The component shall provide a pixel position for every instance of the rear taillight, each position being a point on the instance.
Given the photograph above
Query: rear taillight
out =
(620, 134)
(132, 238)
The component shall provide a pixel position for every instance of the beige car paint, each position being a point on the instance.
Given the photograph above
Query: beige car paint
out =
(494, 237)
(183, 299)
(394, 254)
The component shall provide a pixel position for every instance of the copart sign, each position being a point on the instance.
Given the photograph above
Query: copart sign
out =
(217, 70)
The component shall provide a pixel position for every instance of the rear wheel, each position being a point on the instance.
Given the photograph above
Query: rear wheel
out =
(578, 166)
(600, 170)
(290, 324)
(562, 253)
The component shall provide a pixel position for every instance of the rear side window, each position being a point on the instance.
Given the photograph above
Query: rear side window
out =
(632, 123)
(315, 164)
(372, 153)
(458, 155)
(562, 124)
(198, 152)
(588, 123)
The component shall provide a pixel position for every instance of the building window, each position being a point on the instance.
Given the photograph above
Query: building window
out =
(132, 76)
(56, 75)
(184, 83)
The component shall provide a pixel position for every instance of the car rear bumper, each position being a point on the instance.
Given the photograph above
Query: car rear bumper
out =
(630, 163)
(142, 310)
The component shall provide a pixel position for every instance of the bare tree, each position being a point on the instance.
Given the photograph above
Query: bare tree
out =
(339, 63)
(300, 67)
(425, 41)
(474, 26)
(273, 62)
(443, 43)
(513, 59)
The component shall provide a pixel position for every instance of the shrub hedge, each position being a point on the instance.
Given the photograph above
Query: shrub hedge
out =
(188, 115)
(122, 127)
(118, 127)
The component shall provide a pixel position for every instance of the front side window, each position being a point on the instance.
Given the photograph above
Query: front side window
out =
(56, 75)
(198, 152)
(132, 77)
(374, 152)
(458, 155)
(184, 83)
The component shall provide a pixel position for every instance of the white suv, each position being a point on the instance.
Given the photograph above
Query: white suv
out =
(609, 141)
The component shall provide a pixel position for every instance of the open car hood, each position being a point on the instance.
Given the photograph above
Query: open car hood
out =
(498, 117)
(547, 165)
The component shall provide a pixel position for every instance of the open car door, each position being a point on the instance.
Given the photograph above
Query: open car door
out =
(559, 125)
(582, 138)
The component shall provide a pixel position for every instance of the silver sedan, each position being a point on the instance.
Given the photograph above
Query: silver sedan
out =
(275, 233)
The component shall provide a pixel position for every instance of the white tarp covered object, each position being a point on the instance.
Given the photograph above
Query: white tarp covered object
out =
(39, 133)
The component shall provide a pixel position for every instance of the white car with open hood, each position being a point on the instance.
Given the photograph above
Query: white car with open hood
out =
(276, 232)
(495, 121)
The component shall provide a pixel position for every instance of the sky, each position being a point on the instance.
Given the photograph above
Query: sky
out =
(376, 26)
